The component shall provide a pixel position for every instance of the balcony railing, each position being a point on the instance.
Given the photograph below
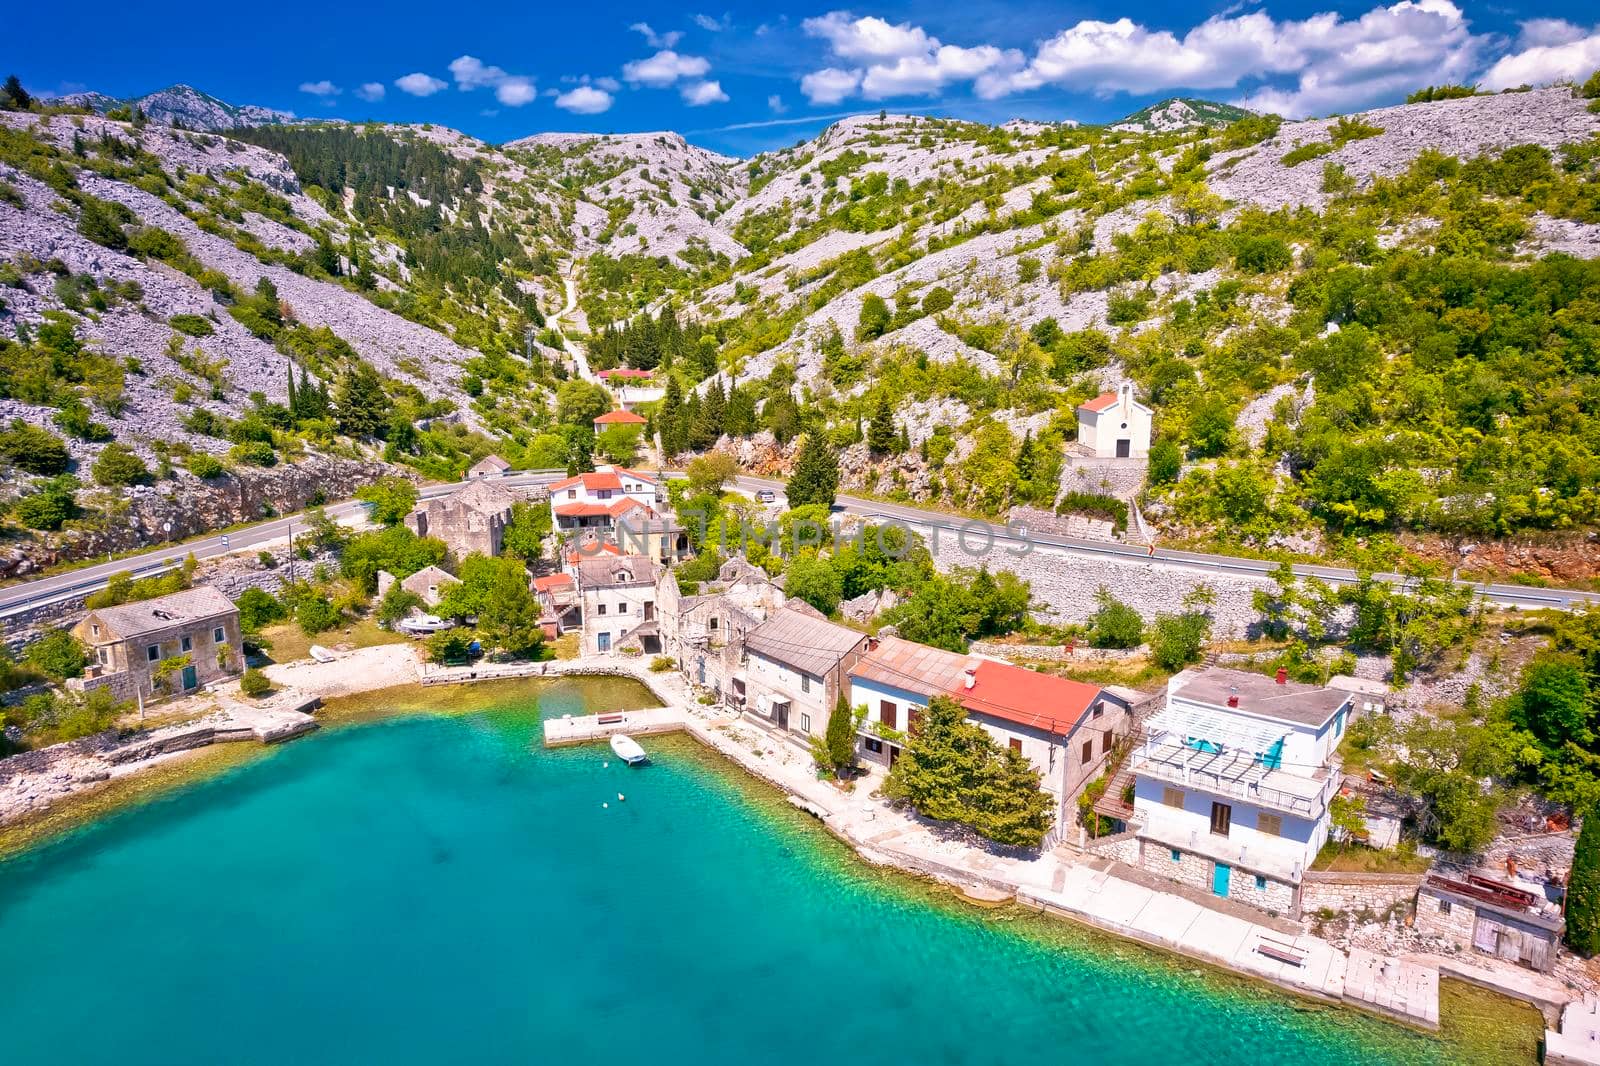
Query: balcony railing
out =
(1306, 797)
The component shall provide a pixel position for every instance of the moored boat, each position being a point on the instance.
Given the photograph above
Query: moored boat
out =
(628, 750)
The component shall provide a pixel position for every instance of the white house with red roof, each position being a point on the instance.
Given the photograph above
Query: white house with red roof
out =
(1114, 425)
(1066, 729)
(619, 417)
(603, 498)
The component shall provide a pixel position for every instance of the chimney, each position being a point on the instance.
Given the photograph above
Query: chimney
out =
(970, 677)
(1283, 676)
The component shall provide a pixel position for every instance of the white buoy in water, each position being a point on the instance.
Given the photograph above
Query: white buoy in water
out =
(621, 798)
(605, 765)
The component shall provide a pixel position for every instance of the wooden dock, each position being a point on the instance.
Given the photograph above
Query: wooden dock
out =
(585, 729)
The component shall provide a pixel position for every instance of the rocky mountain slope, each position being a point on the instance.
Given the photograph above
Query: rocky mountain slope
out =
(981, 280)
(184, 106)
(1179, 113)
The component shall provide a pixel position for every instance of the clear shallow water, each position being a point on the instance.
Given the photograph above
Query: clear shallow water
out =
(440, 889)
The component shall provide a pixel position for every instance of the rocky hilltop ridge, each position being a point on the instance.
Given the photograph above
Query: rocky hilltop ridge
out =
(185, 106)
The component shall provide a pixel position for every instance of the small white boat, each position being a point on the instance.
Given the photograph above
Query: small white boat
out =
(628, 750)
(321, 654)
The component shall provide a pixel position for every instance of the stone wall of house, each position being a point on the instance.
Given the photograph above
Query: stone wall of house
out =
(1356, 893)
(1434, 920)
(1533, 851)
(1195, 871)
(1123, 847)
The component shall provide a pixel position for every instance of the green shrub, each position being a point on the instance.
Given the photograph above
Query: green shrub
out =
(1262, 255)
(254, 683)
(1095, 505)
(58, 655)
(317, 614)
(1114, 624)
(205, 466)
(38, 451)
(1591, 88)
(192, 325)
(253, 453)
(1583, 893)
(117, 466)
(258, 608)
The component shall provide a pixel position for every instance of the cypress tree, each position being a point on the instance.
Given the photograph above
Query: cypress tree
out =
(294, 395)
(816, 473)
(841, 735)
(1583, 889)
(881, 434)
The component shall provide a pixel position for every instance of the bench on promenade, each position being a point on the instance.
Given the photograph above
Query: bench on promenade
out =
(612, 719)
(1275, 949)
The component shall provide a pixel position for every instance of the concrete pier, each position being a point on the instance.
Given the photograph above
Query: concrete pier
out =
(1577, 1042)
(561, 732)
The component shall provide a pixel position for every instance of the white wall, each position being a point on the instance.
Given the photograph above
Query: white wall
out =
(1300, 841)
(624, 612)
(779, 680)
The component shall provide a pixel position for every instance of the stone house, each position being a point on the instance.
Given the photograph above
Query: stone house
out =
(487, 467)
(796, 664)
(428, 584)
(1511, 921)
(1114, 425)
(1234, 777)
(195, 633)
(471, 519)
(617, 596)
(705, 629)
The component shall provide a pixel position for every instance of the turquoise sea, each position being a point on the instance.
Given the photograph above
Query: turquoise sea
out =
(439, 889)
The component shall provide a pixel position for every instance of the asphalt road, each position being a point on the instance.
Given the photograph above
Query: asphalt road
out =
(40, 591)
(949, 527)
(27, 595)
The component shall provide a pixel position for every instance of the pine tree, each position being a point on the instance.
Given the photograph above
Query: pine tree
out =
(15, 95)
(689, 423)
(740, 418)
(363, 408)
(881, 434)
(294, 395)
(904, 444)
(816, 473)
(1583, 889)
(669, 419)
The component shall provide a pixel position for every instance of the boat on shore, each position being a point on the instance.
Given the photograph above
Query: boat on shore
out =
(628, 750)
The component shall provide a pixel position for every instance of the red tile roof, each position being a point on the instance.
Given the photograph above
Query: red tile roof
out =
(552, 581)
(1027, 697)
(1102, 402)
(591, 550)
(620, 418)
(591, 482)
(575, 509)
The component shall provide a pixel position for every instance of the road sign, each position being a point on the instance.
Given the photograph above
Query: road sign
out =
(224, 540)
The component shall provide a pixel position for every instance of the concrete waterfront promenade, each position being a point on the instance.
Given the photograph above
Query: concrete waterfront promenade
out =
(1083, 888)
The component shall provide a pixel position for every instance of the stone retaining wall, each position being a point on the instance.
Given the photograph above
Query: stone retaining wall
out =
(1055, 653)
(1064, 585)
(1356, 892)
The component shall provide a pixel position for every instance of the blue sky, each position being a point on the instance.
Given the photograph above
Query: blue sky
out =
(749, 77)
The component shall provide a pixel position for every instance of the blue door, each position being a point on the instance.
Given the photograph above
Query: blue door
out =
(1219, 879)
(191, 678)
(604, 641)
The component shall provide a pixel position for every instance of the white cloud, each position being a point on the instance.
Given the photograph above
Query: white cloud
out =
(320, 88)
(870, 37)
(609, 84)
(419, 84)
(470, 72)
(1540, 64)
(700, 93)
(371, 91)
(664, 68)
(515, 91)
(713, 25)
(1297, 67)
(776, 105)
(584, 100)
(830, 85)
(899, 60)
(1536, 33)
(654, 39)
